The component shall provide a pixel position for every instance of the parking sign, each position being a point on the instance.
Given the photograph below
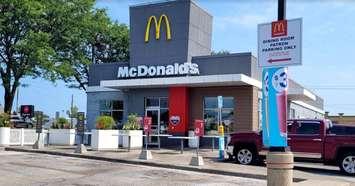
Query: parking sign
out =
(280, 43)
(199, 128)
(147, 123)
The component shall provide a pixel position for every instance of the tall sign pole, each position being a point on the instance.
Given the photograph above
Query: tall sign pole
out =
(221, 142)
(39, 129)
(80, 131)
(279, 46)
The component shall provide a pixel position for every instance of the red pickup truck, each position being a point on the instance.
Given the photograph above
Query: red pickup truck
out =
(316, 139)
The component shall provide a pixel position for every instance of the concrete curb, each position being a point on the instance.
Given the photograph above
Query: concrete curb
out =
(151, 164)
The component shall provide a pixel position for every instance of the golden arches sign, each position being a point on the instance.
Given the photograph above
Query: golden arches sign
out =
(157, 27)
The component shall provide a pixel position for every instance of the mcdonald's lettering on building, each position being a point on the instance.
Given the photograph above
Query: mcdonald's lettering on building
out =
(173, 78)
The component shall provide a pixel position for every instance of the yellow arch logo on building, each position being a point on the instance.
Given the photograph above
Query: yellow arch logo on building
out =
(157, 27)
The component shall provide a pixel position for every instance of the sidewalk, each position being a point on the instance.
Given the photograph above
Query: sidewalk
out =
(167, 158)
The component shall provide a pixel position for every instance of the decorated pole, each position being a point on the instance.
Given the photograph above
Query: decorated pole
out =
(279, 46)
(220, 129)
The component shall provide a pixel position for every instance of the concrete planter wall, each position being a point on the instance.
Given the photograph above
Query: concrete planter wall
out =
(136, 138)
(62, 136)
(4, 136)
(104, 139)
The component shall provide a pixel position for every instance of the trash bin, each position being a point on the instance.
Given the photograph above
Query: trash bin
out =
(192, 142)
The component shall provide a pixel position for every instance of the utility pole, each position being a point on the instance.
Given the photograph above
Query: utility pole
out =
(71, 111)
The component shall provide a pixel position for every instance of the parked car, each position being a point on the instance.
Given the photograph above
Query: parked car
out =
(310, 139)
(18, 122)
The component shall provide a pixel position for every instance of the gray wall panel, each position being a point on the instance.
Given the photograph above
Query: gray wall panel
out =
(187, 22)
(224, 64)
(105, 71)
(136, 98)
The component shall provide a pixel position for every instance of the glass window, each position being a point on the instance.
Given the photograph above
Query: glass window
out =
(117, 105)
(105, 105)
(308, 128)
(154, 106)
(210, 102)
(211, 120)
(113, 108)
(164, 103)
(164, 121)
(103, 113)
(152, 102)
(228, 102)
(211, 114)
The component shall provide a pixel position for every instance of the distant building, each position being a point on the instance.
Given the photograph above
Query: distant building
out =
(57, 115)
(341, 118)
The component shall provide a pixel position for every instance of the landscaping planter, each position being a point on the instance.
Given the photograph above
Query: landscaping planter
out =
(62, 136)
(4, 136)
(136, 138)
(104, 139)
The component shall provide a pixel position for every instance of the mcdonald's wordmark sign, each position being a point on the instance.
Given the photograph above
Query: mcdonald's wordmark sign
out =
(280, 43)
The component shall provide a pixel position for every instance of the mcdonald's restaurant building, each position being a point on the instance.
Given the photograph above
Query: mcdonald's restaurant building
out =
(172, 77)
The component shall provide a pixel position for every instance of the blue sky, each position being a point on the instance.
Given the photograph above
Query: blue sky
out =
(328, 48)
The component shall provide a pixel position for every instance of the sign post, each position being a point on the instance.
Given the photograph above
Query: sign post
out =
(147, 123)
(199, 132)
(279, 46)
(80, 130)
(39, 129)
(220, 129)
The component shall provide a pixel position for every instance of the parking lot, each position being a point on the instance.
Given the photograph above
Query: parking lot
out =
(41, 169)
(18, 168)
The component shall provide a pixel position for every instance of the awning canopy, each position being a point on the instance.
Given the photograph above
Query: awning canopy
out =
(302, 94)
(189, 81)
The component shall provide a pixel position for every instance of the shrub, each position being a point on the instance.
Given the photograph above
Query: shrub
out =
(105, 122)
(5, 120)
(61, 123)
(132, 123)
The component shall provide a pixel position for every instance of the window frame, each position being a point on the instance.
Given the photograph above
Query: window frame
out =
(228, 109)
(111, 110)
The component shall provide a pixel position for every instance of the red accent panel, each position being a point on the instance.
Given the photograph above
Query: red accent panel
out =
(179, 108)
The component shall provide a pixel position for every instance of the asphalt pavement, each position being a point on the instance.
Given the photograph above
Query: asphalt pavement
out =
(20, 168)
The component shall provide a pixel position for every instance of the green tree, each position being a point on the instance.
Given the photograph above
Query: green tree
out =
(72, 113)
(55, 39)
(102, 41)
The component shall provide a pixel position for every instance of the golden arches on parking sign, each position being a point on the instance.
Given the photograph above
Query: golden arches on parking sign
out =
(157, 27)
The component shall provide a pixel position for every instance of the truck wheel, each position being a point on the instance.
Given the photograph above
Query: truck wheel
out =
(245, 156)
(347, 163)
